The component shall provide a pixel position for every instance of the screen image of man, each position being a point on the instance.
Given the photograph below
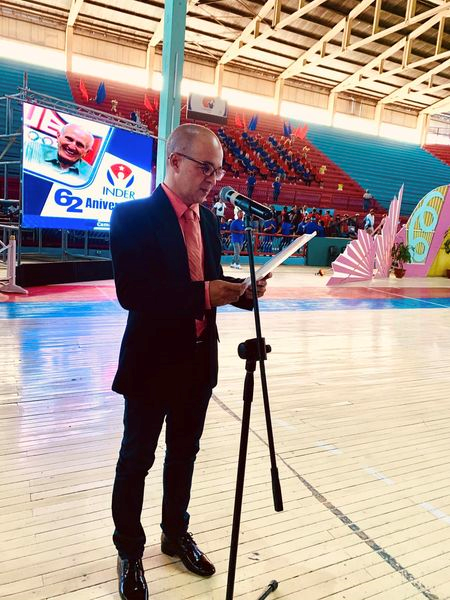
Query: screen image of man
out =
(65, 160)
(166, 253)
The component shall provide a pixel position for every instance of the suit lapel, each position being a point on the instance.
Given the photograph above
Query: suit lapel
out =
(168, 233)
(208, 235)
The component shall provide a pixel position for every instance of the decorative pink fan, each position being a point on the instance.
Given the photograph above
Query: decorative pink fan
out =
(385, 240)
(356, 263)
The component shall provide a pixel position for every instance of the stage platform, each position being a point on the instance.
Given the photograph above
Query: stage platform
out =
(37, 270)
(359, 380)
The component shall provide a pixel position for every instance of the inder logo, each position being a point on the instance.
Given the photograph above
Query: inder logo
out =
(120, 175)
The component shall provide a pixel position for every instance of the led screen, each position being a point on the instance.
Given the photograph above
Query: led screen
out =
(76, 170)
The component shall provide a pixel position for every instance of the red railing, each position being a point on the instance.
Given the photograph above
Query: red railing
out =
(264, 244)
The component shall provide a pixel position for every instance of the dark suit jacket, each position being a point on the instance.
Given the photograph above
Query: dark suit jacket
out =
(151, 272)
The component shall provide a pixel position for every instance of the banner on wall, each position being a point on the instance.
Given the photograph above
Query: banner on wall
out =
(76, 170)
(207, 108)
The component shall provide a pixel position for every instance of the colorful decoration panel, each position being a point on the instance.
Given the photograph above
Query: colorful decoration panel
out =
(385, 240)
(368, 253)
(425, 231)
(356, 262)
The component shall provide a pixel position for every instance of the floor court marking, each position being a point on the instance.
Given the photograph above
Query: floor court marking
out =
(378, 475)
(354, 527)
(284, 424)
(425, 300)
(105, 295)
(436, 512)
(328, 447)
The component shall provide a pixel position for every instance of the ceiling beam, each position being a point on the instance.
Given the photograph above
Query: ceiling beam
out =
(412, 65)
(250, 40)
(347, 33)
(440, 35)
(247, 32)
(436, 107)
(74, 11)
(403, 92)
(298, 65)
(429, 91)
(311, 56)
(376, 17)
(276, 13)
(384, 32)
(354, 79)
(410, 9)
(75, 8)
(159, 30)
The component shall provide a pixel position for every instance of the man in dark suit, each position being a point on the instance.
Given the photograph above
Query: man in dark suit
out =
(166, 255)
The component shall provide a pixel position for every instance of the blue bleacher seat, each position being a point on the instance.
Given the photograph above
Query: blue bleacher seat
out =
(382, 164)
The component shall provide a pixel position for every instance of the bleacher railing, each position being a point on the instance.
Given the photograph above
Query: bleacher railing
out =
(8, 252)
(264, 244)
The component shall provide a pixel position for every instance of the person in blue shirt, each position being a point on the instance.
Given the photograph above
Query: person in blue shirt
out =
(301, 226)
(286, 225)
(251, 182)
(276, 185)
(269, 228)
(237, 229)
(286, 230)
(311, 226)
(369, 221)
(224, 231)
(321, 229)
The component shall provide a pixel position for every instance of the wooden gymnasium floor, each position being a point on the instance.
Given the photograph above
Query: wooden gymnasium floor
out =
(359, 382)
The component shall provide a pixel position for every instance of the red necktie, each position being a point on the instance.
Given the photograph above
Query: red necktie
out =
(194, 246)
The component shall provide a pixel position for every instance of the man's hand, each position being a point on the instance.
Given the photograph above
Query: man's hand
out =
(261, 286)
(224, 292)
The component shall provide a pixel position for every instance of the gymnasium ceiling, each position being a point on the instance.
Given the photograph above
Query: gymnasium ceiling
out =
(390, 52)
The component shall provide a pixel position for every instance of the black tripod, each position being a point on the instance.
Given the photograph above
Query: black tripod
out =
(252, 351)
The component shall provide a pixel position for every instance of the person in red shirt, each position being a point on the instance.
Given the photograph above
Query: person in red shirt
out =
(326, 218)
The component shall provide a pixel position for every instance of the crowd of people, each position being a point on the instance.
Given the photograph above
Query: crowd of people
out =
(250, 153)
(290, 221)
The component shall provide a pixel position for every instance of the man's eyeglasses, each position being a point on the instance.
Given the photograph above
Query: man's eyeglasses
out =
(206, 167)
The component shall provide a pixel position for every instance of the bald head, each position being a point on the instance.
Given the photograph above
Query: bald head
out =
(194, 162)
(73, 143)
(70, 129)
(186, 137)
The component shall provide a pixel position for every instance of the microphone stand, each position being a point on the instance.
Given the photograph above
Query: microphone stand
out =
(252, 351)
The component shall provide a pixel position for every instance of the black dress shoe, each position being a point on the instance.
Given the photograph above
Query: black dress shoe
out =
(132, 584)
(190, 554)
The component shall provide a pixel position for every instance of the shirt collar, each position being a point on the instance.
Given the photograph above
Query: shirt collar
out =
(178, 205)
(51, 156)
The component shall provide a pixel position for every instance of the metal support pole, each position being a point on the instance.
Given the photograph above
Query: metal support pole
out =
(172, 73)
(10, 286)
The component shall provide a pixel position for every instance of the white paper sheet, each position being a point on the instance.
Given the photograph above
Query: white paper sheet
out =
(279, 258)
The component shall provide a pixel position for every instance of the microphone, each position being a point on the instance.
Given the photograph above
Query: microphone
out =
(247, 205)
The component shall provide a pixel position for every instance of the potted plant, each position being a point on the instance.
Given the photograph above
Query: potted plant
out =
(400, 254)
(446, 247)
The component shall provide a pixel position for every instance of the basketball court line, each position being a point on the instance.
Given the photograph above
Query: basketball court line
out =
(444, 303)
(345, 520)
(96, 307)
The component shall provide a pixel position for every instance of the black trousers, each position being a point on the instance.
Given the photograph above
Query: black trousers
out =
(180, 398)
